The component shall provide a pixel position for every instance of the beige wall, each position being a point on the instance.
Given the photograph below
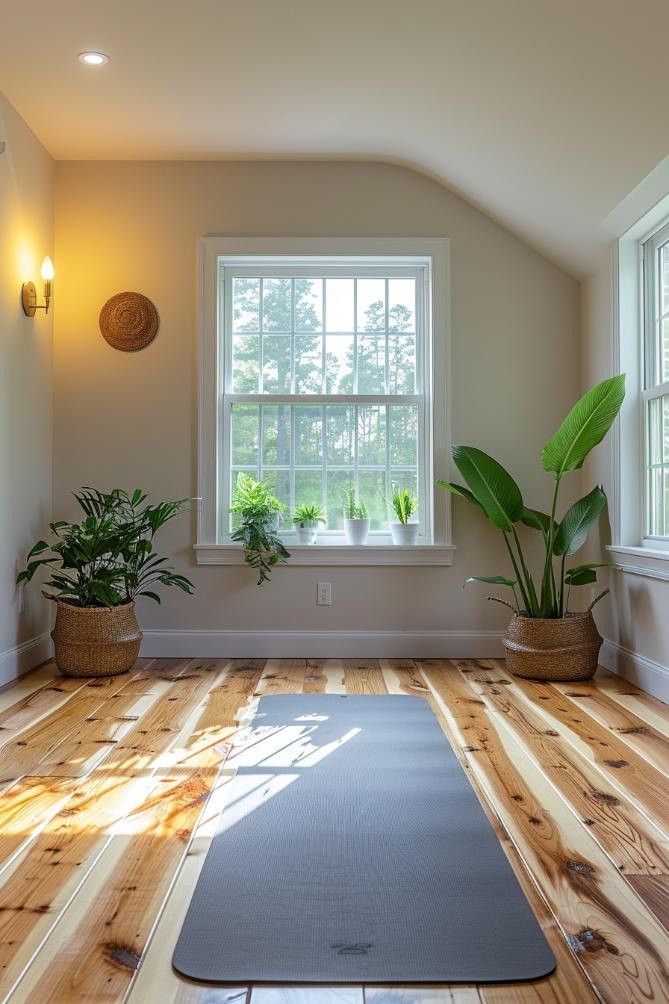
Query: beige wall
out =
(26, 236)
(130, 419)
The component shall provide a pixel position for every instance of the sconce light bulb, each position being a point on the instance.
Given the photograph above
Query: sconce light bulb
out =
(47, 271)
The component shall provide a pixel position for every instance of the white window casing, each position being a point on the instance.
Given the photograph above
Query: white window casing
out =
(273, 260)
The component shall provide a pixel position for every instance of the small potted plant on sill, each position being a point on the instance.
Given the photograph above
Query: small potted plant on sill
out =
(545, 640)
(259, 513)
(404, 505)
(305, 521)
(356, 518)
(98, 568)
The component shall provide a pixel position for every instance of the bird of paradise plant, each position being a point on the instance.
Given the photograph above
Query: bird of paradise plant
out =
(493, 490)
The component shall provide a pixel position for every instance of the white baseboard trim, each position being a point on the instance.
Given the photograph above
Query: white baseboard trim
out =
(651, 676)
(22, 658)
(233, 644)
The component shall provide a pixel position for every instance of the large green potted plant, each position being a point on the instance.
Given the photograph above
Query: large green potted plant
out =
(257, 514)
(545, 640)
(98, 567)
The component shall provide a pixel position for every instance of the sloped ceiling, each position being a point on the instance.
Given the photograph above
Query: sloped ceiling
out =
(544, 113)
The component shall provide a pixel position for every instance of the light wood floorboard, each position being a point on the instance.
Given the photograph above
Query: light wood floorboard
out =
(110, 791)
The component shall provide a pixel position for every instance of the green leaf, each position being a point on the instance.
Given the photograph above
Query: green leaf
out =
(495, 580)
(582, 575)
(536, 519)
(582, 578)
(493, 487)
(461, 491)
(584, 427)
(578, 519)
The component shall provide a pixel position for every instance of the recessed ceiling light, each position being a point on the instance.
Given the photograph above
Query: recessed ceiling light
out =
(93, 58)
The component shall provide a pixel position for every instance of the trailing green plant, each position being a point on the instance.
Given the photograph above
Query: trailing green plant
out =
(354, 508)
(306, 514)
(492, 489)
(257, 531)
(403, 503)
(107, 558)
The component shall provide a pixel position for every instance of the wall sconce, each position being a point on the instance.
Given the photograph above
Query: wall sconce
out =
(29, 293)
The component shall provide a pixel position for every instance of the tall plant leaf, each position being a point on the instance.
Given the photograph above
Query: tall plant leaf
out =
(492, 486)
(578, 519)
(536, 519)
(460, 490)
(584, 427)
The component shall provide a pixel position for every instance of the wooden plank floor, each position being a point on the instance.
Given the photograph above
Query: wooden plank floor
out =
(110, 791)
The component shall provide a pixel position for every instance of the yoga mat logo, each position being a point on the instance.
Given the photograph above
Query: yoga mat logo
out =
(358, 948)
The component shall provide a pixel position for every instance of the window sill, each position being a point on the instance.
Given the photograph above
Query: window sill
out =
(652, 563)
(336, 554)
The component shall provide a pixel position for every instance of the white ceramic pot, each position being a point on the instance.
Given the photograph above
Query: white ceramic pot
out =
(307, 532)
(404, 533)
(356, 530)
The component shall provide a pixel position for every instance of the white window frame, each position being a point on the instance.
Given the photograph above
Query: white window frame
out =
(652, 389)
(432, 257)
(633, 551)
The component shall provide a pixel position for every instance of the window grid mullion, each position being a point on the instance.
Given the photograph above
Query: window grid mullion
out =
(386, 368)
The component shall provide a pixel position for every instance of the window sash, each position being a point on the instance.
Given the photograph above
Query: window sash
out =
(228, 271)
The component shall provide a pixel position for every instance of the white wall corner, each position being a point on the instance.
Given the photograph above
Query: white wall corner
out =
(22, 658)
(651, 676)
(231, 644)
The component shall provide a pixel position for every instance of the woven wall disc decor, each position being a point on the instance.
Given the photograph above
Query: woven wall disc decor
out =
(129, 321)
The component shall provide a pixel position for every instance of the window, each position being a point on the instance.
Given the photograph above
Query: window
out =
(655, 396)
(317, 371)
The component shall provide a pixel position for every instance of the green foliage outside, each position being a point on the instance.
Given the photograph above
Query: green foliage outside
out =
(334, 425)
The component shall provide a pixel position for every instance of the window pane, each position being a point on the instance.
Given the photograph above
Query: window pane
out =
(340, 434)
(246, 305)
(276, 304)
(337, 482)
(276, 364)
(339, 364)
(244, 435)
(371, 364)
(245, 364)
(308, 434)
(654, 431)
(309, 488)
(276, 435)
(308, 304)
(401, 364)
(401, 305)
(373, 494)
(308, 364)
(371, 304)
(664, 349)
(403, 434)
(339, 304)
(279, 484)
(372, 434)
(665, 430)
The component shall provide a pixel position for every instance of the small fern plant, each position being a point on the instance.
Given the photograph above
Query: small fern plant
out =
(306, 515)
(257, 531)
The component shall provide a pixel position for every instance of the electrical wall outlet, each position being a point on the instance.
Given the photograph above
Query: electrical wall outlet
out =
(324, 594)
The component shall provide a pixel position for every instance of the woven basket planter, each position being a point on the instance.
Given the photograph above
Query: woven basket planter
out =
(557, 649)
(96, 641)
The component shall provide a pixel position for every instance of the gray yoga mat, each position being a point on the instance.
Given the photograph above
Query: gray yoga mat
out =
(353, 849)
